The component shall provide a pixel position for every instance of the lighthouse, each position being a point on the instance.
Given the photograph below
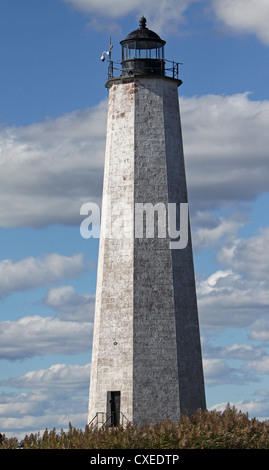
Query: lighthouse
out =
(146, 356)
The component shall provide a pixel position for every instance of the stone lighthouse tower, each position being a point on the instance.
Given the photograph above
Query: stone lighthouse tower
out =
(146, 358)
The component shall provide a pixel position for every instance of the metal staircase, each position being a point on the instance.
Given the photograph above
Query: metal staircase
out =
(102, 421)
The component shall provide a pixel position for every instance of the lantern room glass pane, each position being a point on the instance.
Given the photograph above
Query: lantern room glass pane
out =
(124, 52)
(142, 49)
(142, 54)
(160, 50)
(131, 50)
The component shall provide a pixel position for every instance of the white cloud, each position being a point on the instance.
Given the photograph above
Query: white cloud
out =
(159, 12)
(35, 335)
(57, 395)
(260, 329)
(30, 273)
(260, 366)
(209, 285)
(227, 299)
(209, 230)
(243, 352)
(48, 170)
(241, 16)
(19, 407)
(70, 305)
(27, 424)
(245, 16)
(224, 164)
(58, 376)
(218, 372)
(238, 295)
(255, 408)
(249, 256)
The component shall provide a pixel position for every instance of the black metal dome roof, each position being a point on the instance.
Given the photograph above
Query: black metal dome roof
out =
(143, 33)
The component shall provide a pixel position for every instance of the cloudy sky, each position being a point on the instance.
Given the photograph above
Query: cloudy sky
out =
(52, 141)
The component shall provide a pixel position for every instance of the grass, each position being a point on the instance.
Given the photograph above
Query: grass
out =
(230, 429)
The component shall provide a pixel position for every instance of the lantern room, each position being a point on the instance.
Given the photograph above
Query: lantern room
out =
(142, 52)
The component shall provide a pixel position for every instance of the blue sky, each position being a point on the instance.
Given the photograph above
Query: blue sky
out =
(52, 142)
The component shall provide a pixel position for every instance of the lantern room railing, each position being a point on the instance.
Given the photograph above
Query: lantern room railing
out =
(169, 68)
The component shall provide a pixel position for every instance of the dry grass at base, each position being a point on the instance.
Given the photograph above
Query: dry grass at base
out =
(230, 429)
